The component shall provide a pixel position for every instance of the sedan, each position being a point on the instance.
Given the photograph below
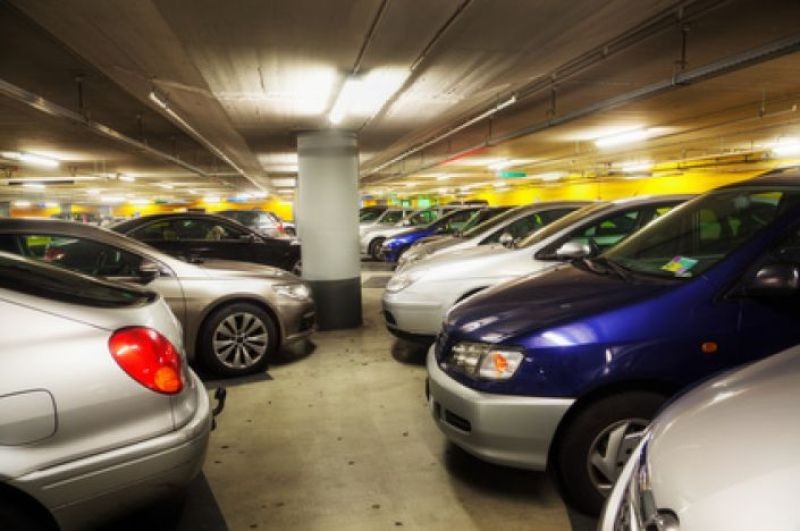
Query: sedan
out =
(195, 237)
(99, 413)
(235, 315)
(723, 456)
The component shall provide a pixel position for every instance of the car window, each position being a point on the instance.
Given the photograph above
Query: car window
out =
(157, 231)
(528, 224)
(392, 216)
(8, 243)
(370, 214)
(82, 255)
(206, 229)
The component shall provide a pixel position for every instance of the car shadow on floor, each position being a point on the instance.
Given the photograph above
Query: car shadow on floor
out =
(289, 354)
(196, 510)
(409, 353)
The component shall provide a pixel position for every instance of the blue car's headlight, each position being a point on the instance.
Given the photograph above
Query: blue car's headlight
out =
(491, 362)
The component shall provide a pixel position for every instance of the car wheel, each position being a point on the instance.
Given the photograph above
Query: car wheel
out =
(597, 443)
(375, 248)
(21, 517)
(238, 339)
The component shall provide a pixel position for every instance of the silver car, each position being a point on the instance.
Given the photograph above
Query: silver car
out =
(723, 456)
(235, 315)
(99, 412)
(418, 297)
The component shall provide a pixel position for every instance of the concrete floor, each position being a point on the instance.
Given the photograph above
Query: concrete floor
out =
(341, 439)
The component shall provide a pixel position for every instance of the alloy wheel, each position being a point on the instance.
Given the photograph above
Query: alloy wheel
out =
(610, 451)
(240, 340)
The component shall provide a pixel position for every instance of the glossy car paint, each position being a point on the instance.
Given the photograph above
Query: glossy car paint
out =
(438, 246)
(441, 281)
(79, 435)
(380, 222)
(193, 291)
(263, 222)
(380, 232)
(253, 247)
(394, 246)
(584, 333)
(723, 456)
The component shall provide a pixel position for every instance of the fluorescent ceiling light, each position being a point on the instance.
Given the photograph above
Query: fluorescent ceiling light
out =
(287, 182)
(166, 186)
(34, 186)
(636, 166)
(93, 191)
(31, 158)
(260, 195)
(126, 178)
(628, 137)
(786, 147)
(50, 204)
(363, 96)
(22, 204)
(211, 199)
(551, 176)
(112, 199)
(140, 202)
(508, 163)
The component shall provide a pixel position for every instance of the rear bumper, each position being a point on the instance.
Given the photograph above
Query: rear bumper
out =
(88, 491)
(506, 430)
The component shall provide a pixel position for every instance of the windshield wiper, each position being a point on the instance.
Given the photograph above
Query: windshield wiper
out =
(610, 265)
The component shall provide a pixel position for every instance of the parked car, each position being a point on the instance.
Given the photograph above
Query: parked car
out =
(507, 227)
(394, 247)
(371, 213)
(264, 223)
(417, 297)
(723, 456)
(566, 369)
(235, 315)
(99, 413)
(372, 239)
(386, 218)
(195, 237)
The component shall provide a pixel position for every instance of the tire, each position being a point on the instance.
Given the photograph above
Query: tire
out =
(297, 268)
(224, 348)
(374, 248)
(20, 516)
(584, 466)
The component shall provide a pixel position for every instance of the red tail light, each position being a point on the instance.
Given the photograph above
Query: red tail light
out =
(149, 358)
(281, 228)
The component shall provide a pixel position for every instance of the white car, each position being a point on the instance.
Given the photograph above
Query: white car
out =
(723, 456)
(417, 298)
(506, 228)
(370, 219)
(372, 239)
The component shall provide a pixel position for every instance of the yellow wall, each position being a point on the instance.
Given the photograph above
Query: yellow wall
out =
(282, 208)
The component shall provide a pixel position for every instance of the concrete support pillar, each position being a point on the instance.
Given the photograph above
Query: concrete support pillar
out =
(326, 213)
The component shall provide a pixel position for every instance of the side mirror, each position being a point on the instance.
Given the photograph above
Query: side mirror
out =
(775, 280)
(148, 271)
(506, 240)
(406, 223)
(573, 250)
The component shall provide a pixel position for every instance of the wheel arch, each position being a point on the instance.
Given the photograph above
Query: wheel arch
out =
(227, 301)
(19, 496)
(667, 389)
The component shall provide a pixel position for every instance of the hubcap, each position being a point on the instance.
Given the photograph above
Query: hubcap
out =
(610, 451)
(240, 340)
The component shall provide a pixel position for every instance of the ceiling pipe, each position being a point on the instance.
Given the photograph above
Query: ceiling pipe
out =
(39, 103)
(726, 65)
(687, 10)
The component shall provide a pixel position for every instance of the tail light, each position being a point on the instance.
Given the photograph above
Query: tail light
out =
(281, 228)
(149, 358)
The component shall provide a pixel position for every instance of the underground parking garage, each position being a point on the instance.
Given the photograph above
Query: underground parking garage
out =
(381, 264)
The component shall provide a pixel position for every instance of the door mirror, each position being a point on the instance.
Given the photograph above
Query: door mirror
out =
(148, 271)
(775, 280)
(573, 250)
(406, 223)
(506, 240)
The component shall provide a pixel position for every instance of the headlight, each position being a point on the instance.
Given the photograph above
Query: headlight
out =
(485, 361)
(298, 292)
(399, 282)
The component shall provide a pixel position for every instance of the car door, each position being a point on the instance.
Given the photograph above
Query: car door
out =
(160, 234)
(522, 227)
(203, 238)
(98, 259)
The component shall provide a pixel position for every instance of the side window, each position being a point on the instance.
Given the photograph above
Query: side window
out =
(518, 229)
(788, 250)
(205, 229)
(158, 231)
(8, 243)
(458, 220)
(81, 255)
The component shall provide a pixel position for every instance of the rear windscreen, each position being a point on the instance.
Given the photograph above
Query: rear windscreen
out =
(41, 280)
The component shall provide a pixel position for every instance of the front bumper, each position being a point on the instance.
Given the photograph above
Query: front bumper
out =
(407, 316)
(87, 491)
(297, 320)
(506, 430)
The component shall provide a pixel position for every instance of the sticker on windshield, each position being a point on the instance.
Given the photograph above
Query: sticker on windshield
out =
(680, 265)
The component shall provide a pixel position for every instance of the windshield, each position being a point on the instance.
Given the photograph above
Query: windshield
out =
(480, 218)
(393, 216)
(691, 240)
(41, 280)
(562, 223)
(492, 222)
(370, 214)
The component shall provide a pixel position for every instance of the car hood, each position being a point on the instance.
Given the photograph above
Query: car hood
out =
(541, 300)
(230, 269)
(724, 456)
(473, 257)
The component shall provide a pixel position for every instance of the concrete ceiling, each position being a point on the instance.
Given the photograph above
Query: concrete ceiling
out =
(246, 76)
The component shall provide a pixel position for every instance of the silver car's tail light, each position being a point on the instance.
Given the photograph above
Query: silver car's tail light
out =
(149, 358)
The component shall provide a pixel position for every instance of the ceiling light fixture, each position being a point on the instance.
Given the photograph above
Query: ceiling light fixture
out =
(211, 199)
(363, 96)
(31, 158)
(636, 166)
(126, 178)
(22, 204)
(166, 186)
(260, 195)
(93, 191)
(786, 147)
(628, 137)
(139, 202)
(34, 186)
(112, 199)
(50, 204)
(551, 176)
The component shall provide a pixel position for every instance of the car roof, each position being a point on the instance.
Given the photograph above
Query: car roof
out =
(782, 177)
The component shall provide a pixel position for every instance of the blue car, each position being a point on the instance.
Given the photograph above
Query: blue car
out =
(395, 246)
(564, 370)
